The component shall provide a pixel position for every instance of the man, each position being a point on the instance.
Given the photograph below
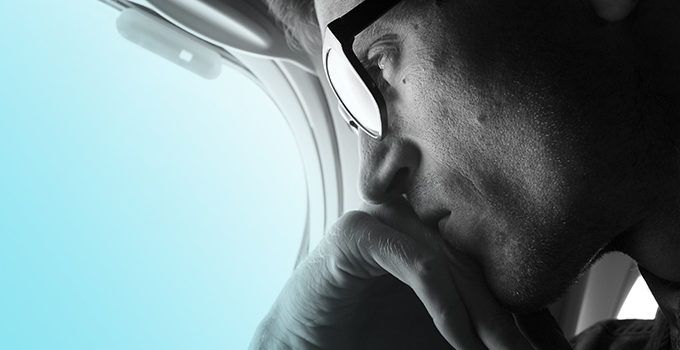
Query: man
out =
(505, 146)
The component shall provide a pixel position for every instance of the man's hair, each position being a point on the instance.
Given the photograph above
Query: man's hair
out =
(298, 17)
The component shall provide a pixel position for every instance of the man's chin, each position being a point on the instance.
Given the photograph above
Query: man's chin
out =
(524, 302)
(528, 292)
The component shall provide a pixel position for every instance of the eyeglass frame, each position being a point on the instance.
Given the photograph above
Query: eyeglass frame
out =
(340, 35)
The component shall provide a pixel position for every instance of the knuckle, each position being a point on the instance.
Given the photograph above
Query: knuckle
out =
(427, 268)
(349, 224)
(341, 250)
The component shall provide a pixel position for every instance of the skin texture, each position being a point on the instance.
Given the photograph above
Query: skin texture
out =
(525, 139)
(534, 124)
(347, 293)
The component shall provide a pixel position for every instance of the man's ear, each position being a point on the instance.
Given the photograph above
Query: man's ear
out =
(613, 10)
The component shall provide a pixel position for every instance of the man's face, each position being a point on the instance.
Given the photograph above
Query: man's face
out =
(509, 128)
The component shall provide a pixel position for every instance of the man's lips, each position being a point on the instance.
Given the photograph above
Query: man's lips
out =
(431, 218)
(441, 225)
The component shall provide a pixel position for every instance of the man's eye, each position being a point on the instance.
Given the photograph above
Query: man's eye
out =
(381, 65)
(384, 60)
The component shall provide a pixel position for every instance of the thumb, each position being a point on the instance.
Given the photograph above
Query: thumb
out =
(613, 10)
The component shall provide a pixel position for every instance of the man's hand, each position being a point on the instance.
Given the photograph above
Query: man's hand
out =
(327, 302)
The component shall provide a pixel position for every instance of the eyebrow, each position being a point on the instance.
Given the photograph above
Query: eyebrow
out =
(366, 38)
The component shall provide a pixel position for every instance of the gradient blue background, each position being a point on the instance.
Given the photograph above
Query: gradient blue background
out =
(141, 207)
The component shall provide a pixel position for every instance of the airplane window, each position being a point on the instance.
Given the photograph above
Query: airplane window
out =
(141, 206)
(639, 302)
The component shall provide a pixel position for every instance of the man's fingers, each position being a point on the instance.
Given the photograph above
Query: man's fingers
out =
(425, 272)
(494, 324)
(399, 214)
(437, 291)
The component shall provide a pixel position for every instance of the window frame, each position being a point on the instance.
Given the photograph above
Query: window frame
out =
(302, 100)
(329, 153)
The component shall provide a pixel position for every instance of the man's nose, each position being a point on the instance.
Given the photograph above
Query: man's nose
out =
(387, 168)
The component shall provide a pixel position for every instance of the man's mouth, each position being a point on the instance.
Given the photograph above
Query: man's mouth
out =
(441, 224)
(431, 218)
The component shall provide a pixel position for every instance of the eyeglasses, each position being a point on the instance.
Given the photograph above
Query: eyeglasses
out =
(361, 103)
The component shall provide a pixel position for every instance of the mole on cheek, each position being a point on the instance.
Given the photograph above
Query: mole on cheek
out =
(403, 81)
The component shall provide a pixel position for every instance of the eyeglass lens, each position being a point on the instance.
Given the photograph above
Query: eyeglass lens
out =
(353, 93)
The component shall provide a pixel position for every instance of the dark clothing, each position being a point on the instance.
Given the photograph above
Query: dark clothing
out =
(414, 329)
(661, 333)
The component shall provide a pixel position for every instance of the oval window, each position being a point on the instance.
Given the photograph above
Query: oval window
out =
(141, 206)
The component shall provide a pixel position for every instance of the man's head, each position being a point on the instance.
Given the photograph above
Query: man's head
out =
(529, 131)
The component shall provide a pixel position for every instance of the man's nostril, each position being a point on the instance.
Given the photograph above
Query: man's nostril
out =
(398, 181)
